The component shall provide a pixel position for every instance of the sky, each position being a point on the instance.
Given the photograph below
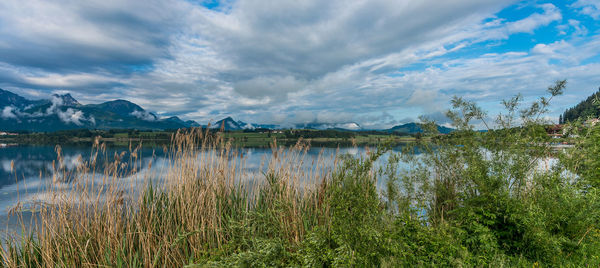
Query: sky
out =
(378, 63)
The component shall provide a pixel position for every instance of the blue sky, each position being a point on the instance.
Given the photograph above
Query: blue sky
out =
(377, 63)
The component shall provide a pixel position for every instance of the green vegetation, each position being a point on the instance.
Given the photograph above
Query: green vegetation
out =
(583, 110)
(89, 135)
(241, 138)
(289, 137)
(470, 199)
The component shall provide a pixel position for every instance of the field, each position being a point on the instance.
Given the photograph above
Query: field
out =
(238, 138)
(265, 139)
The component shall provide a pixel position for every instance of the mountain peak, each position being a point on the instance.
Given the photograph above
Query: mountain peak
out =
(8, 98)
(228, 124)
(192, 123)
(121, 107)
(67, 99)
(44, 115)
(175, 119)
(323, 126)
(188, 123)
(412, 128)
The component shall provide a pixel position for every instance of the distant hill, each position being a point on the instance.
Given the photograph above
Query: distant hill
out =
(413, 128)
(63, 112)
(229, 124)
(120, 107)
(67, 99)
(584, 109)
(325, 126)
(8, 98)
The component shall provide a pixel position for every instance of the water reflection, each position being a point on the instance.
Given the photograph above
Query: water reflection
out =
(38, 161)
(26, 171)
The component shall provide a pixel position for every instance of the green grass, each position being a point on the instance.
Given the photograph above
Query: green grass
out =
(249, 139)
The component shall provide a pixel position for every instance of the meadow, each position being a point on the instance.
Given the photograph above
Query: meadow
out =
(239, 138)
(468, 199)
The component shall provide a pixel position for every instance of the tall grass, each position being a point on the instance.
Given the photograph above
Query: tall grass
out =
(204, 202)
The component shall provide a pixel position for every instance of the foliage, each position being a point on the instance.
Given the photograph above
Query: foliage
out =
(307, 133)
(582, 158)
(583, 110)
(492, 192)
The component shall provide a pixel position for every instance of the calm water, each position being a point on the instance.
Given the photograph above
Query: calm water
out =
(26, 170)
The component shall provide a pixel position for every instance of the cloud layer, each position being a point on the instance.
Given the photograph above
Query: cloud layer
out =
(376, 63)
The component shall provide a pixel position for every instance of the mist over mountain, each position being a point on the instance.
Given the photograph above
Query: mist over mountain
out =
(230, 124)
(63, 112)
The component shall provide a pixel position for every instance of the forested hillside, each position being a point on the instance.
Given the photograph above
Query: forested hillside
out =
(584, 109)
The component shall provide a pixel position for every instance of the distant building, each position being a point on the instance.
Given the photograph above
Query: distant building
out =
(555, 131)
(4, 145)
(592, 122)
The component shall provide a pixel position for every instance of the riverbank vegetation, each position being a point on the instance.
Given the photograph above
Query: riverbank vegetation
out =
(240, 138)
(471, 198)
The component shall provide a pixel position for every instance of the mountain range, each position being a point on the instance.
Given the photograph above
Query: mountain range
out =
(413, 128)
(231, 124)
(63, 112)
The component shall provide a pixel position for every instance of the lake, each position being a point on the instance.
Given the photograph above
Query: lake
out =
(27, 170)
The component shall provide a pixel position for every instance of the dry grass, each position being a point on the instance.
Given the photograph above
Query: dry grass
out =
(204, 201)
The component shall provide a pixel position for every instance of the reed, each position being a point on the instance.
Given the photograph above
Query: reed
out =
(203, 201)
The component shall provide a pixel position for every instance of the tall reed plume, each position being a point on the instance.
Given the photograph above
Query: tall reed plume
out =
(200, 202)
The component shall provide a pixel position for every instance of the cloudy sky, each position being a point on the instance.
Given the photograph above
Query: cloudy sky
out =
(377, 62)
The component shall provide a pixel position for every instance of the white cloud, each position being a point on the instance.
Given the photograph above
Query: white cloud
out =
(534, 21)
(579, 29)
(588, 7)
(56, 104)
(71, 80)
(288, 61)
(423, 97)
(274, 87)
(71, 116)
(7, 113)
(552, 50)
(144, 115)
(78, 35)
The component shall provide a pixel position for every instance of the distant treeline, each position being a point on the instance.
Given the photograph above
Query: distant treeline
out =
(63, 136)
(334, 133)
(585, 109)
(82, 134)
(295, 134)
(327, 133)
